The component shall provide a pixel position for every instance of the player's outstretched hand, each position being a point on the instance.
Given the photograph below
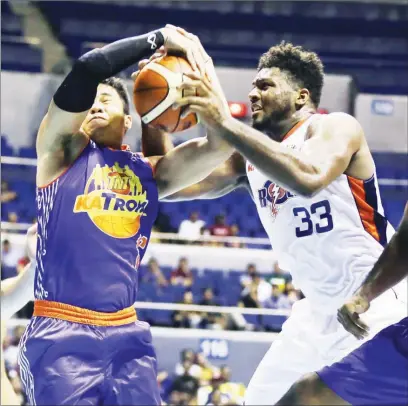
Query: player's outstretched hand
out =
(177, 39)
(209, 102)
(349, 316)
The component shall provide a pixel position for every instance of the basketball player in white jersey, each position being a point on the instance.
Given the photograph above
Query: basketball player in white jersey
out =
(313, 181)
(15, 293)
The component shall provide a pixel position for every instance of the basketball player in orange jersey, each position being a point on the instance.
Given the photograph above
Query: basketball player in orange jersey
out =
(96, 205)
(314, 185)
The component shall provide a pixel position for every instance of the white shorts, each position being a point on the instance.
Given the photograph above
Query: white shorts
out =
(309, 341)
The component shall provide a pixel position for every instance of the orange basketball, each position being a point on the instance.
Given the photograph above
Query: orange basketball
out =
(155, 91)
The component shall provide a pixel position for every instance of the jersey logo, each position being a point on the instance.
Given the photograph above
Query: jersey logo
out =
(114, 200)
(273, 196)
(251, 168)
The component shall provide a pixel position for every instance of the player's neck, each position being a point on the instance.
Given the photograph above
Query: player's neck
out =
(278, 130)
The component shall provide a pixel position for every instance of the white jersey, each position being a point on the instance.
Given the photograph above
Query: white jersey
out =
(328, 242)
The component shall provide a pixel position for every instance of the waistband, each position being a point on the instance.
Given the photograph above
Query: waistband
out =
(74, 314)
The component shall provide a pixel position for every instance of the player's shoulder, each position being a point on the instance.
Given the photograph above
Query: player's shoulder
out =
(337, 123)
(341, 119)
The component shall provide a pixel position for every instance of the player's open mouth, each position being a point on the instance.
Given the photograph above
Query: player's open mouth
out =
(255, 108)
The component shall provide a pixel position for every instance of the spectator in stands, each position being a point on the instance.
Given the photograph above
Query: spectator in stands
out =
(10, 353)
(293, 294)
(9, 259)
(187, 319)
(190, 230)
(154, 274)
(277, 300)
(207, 369)
(256, 284)
(220, 228)
(208, 298)
(279, 277)
(234, 232)
(7, 195)
(182, 275)
(185, 386)
(249, 297)
(188, 355)
(221, 391)
(212, 321)
(246, 280)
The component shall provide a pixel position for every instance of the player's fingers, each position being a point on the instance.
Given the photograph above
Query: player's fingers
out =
(360, 323)
(349, 323)
(195, 39)
(185, 112)
(191, 59)
(190, 100)
(203, 79)
(199, 59)
(194, 86)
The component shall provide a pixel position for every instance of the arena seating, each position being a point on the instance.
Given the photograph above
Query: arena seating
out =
(18, 53)
(346, 39)
(225, 284)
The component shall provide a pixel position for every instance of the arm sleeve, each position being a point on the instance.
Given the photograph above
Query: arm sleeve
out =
(77, 92)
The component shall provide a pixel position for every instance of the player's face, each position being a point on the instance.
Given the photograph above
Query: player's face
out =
(272, 98)
(106, 122)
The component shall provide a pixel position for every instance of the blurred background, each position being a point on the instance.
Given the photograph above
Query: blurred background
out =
(212, 253)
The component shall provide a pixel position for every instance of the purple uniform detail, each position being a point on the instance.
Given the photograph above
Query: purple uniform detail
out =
(94, 224)
(375, 373)
(76, 364)
(89, 224)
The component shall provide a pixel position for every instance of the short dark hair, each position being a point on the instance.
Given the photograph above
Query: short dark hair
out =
(120, 87)
(303, 67)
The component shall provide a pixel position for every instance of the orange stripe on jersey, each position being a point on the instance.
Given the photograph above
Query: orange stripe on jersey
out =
(63, 311)
(366, 212)
(294, 128)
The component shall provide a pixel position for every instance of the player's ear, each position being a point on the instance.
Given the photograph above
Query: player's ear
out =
(303, 97)
(128, 122)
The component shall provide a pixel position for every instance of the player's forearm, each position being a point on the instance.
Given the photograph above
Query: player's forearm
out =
(155, 142)
(391, 267)
(17, 291)
(77, 92)
(283, 165)
(188, 164)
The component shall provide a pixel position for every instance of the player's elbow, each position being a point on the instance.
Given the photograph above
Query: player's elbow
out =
(308, 188)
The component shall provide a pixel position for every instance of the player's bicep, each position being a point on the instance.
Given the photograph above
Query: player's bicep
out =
(55, 127)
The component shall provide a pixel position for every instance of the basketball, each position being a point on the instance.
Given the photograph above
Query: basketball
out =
(155, 91)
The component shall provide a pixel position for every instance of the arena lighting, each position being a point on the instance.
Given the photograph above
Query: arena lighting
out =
(238, 110)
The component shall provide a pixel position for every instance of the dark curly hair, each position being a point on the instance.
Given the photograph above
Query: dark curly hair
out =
(119, 85)
(302, 67)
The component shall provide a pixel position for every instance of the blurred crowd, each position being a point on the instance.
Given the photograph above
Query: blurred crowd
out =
(193, 228)
(195, 381)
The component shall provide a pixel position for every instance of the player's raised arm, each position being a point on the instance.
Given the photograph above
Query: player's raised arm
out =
(59, 138)
(332, 144)
(227, 177)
